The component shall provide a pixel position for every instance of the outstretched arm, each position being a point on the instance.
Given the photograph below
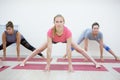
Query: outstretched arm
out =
(4, 45)
(18, 38)
(86, 47)
(68, 50)
(101, 49)
(86, 44)
(49, 50)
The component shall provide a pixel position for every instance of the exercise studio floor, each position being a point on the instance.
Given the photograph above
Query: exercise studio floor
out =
(34, 70)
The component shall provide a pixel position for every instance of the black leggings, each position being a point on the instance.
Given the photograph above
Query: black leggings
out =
(24, 43)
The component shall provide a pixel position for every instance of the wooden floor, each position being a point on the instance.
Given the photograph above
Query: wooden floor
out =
(16, 74)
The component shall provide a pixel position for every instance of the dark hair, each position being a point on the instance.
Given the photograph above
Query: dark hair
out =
(94, 24)
(9, 24)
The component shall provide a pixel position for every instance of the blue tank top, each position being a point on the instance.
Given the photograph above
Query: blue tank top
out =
(88, 34)
(12, 37)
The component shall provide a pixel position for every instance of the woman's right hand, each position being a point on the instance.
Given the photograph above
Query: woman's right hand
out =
(47, 68)
(70, 68)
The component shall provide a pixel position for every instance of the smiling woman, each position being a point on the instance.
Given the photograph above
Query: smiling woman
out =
(95, 35)
(60, 33)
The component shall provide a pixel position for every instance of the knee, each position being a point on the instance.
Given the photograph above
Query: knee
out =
(37, 50)
(80, 50)
(72, 48)
(107, 48)
(83, 51)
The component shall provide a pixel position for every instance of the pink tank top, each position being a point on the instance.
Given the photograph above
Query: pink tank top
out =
(63, 38)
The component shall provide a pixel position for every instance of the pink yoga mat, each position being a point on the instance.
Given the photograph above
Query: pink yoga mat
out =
(82, 60)
(60, 67)
(3, 68)
(73, 60)
(32, 59)
(117, 69)
(107, 61)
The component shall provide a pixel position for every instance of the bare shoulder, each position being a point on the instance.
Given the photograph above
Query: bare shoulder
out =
(18, 33)
(3, 34)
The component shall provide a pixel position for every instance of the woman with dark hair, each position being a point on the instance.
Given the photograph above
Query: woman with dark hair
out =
(11, 36)
(96, 35)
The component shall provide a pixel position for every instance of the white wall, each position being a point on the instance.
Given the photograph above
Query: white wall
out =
(35, 17)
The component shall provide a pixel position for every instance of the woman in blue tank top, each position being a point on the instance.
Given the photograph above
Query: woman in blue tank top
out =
(11, 36)
(96, 35)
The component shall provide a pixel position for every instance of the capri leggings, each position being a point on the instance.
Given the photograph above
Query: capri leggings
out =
(24, 43)
(81, 38)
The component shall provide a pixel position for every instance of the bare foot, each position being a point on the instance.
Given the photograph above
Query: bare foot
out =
(22, 64)
(64, 57)
(98, 66)
(70, 69)
(102, 59)
(47, 68)
(18, 59)
(85, 60)
(117, 59)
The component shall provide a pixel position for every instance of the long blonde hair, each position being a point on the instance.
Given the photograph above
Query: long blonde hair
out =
(54, 29)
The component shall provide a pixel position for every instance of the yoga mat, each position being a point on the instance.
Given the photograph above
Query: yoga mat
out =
(60, 67)
(107, 61)
(3, 68)
(32, 59)
(117, 69)
(73, 60)
(82, 60)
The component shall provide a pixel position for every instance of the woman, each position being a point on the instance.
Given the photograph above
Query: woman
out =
(96, 35)
(59, 33)
(11, 36)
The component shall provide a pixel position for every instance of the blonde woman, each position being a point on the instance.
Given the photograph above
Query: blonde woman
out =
(60, 33)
